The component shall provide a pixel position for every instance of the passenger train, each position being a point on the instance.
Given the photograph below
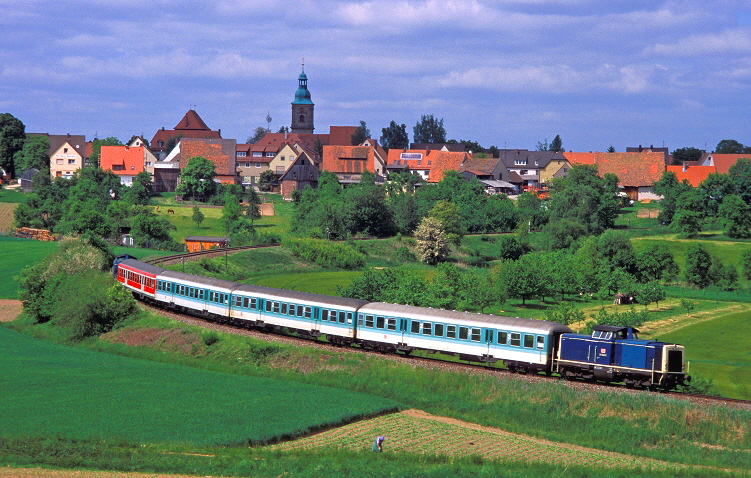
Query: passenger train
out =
(611, 354)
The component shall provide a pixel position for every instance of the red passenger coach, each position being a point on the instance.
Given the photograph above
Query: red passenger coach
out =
(140, 278)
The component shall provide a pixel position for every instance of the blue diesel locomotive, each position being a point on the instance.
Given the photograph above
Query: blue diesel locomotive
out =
(523, 345)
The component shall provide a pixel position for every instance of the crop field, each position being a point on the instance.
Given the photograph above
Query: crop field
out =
(417, 432)
(53, 390)
(6, 217)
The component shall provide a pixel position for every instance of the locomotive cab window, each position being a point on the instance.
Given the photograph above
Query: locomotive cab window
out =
(516, 339)
(438, 330)
(529, 341)
(415, 327)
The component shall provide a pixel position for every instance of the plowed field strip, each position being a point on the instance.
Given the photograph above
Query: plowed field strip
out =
(415, 431)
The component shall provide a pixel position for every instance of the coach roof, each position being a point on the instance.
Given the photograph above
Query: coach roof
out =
(470, 319)
(142, 266)
(208, 282)
(293, 295)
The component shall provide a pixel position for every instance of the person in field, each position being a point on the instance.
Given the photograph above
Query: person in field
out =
(378, 443)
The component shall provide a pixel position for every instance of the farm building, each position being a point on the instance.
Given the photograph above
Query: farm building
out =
(204, 243)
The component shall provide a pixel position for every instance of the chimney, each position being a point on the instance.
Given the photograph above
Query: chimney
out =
(684, 167)
(286, 133)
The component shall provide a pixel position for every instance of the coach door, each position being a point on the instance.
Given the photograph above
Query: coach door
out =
(402, 329)
(316, 326)
(488, 341)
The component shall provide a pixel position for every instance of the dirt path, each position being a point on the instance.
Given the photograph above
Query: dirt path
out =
(9, 309)
(45, 473)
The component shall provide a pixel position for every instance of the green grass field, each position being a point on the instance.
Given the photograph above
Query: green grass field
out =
(53, 390)
(720, 349)
(17, 254)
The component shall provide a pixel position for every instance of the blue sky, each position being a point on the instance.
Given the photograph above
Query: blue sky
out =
(674, 73)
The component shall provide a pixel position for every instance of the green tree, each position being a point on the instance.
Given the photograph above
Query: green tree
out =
(447, 214)
(584, 197)
(361, 134)
(670, 189)
(689, 214)
(152, 231)
(510, 248)
(254, 205)
(394, 136)
(610, 149)
(562, 272)
(728, 277)
(171, 143)
(740, 177)
(12, 136)
(650, 292)
(688, 153)
(532, 214)
(35, 153)
(746, 264)
(731, 146)
(525, 278)
(480, 291)
(556, 145)
(616, 252)
(689, 305)
(267, 180)
(96, 147)
(197, 179)
(197, 216)
(231, 211)
(656, 262)
(698, 263)
(141, 190)
(565, 313)
(736, 215)
(714, 189)
(562, 233)
(258, 133)
(429, 130)
(431, 241)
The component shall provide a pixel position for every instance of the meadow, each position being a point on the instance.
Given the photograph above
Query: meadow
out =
(72, 393)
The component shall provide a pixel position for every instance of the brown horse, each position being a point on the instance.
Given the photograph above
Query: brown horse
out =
(170, 211)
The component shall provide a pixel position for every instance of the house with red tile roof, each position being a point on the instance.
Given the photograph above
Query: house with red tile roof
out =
(124, 161)
(636, 171)
(190, 126)
(418, 161)
(693, 174)
(721, 162)
(528, 165)
(349, 162)
(445, 161)
(149, 158)
(221, 152)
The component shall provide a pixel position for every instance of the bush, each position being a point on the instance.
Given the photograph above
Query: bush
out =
(403, 254)
(210, 337)
(324, 253)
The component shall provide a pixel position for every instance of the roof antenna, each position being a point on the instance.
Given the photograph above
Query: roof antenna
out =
(303, 64)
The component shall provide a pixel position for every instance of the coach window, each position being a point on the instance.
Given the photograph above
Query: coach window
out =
(343, 317)
(226, 299)
(308, 312)
(516, 339)
(475, 335)
(238, 301)
(284, 309)
(502, 338)
(438, 330)
(275, 307)
(415, 327)
(253, 303)
(380, 322)
(349, 318)
(540, 342)
(529, 341)
(368, 321)
(191, 291)
(427, 328)
(451, 331)
(463, 333)
(246, 302)
(299, 310)
(325, 314)
(200, 294)
(360, 320)
(391, 323)
(182, 290)
(268, 306)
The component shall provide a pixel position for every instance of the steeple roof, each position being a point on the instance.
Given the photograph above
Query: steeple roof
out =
(302, 95)
(191, 121)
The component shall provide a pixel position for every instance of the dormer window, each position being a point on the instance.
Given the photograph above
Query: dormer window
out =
(520, 162)
(160, 144)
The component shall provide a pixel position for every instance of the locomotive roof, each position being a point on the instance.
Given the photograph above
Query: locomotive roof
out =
(283, 294)
(142, 266)
(198, 280)
(613, 328)
(481, 320)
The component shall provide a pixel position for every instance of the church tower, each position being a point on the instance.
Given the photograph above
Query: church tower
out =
(302, 107)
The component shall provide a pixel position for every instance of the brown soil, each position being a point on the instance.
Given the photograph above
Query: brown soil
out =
(176, 340)
(9, 309)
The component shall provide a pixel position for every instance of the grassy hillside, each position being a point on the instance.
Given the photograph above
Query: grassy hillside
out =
(78, 394)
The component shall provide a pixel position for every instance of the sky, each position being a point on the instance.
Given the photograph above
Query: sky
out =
(509, 73)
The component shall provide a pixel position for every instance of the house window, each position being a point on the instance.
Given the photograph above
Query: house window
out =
(241, 154)
(258, 165)
(281, 158)
(65, 150)
(280, 170)
(160, 144)
(247, 165)
(132, 168)
(71, 161)
(520, 162)
(257, 154)
(430, 162)
(148, 164)
(59, 161)
(270, 154)
(523, 172)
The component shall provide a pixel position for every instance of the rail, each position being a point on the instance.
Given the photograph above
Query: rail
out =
(176, 258)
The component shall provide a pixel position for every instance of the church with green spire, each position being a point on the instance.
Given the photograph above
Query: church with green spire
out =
(302, 107)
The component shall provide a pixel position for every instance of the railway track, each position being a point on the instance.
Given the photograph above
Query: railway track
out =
(439, 363)
(191, 256)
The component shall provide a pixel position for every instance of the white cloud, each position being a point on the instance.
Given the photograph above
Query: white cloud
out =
(729, 42)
